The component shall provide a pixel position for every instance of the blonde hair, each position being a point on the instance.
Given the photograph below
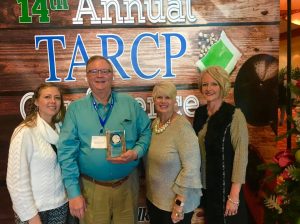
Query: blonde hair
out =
(164, 88)
(220, 75)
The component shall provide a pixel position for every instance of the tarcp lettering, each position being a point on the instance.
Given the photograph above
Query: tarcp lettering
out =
(79, 48)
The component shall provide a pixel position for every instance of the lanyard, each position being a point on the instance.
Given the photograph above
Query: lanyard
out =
(103, 121)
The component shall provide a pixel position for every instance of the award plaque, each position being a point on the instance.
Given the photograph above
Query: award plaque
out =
(116, 144)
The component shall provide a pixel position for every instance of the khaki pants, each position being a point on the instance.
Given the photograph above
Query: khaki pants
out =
(107, 205)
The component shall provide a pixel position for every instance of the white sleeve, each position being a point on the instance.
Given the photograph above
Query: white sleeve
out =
(18, 174)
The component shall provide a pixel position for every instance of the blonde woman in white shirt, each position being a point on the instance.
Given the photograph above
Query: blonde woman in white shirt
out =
(33, 174)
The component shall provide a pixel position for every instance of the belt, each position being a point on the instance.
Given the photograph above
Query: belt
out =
(103, 183)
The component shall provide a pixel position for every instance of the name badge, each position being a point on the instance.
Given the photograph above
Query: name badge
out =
(99, 142)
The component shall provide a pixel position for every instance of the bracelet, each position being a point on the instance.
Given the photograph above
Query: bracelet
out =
(232, 201)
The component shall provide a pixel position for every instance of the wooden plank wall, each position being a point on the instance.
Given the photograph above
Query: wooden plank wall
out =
(252, 26)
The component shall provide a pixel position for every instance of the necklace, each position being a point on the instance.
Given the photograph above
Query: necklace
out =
(158, 130)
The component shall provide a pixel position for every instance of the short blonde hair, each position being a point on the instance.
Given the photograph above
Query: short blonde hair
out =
(164, 88)
(220, 75)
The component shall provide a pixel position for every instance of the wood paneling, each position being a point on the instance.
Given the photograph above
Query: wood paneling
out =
(252, 26)
(25, 67)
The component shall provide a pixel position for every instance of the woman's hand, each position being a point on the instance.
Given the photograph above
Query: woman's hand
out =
(177, 214)
(233, 201)
(232, 206)
(35, 220)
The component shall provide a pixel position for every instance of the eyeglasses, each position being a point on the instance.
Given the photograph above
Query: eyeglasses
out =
(101, 71)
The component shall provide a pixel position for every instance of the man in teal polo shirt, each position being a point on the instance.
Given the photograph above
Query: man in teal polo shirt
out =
(101, 189)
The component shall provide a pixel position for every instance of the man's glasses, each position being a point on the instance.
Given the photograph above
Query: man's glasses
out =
(101, 71)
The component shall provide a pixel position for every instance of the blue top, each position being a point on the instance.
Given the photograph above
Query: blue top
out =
(75, 154)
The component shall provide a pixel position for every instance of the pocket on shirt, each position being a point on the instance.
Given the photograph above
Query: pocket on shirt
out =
(130, 132)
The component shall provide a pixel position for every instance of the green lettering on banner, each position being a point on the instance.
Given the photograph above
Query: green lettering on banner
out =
(25, 17)
(40, 8)
(59, 5)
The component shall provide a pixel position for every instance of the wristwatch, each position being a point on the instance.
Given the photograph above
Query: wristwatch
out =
(178, 202)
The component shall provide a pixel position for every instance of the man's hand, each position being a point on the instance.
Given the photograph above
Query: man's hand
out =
(126, 157)
(77, 206)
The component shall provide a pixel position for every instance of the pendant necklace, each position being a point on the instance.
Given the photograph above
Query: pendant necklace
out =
(158, 130)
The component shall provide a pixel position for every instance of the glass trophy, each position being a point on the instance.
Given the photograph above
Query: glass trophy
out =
(116, 144)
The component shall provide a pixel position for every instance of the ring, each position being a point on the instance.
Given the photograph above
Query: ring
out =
(178, 214)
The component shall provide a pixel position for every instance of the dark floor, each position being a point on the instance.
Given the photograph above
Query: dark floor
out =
(6, 212)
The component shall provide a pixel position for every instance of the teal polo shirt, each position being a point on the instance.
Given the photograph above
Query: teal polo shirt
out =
(81, 122)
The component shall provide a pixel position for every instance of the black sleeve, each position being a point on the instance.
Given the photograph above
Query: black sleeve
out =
(200, 118)
(196, 121)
